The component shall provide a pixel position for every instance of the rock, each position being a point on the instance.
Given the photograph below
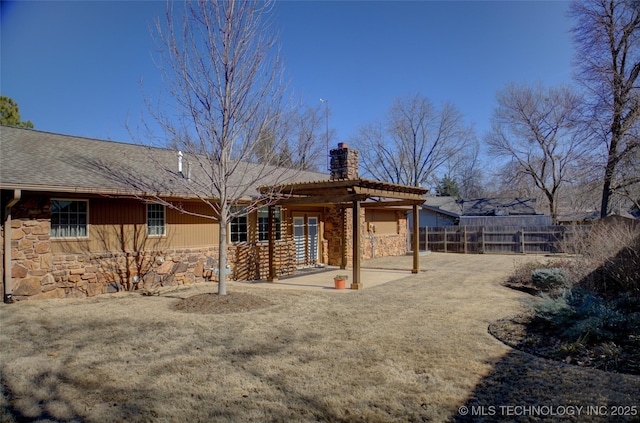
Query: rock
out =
(28, 286)
(18, 271)
(55, 293)
(17, 234)
(42, 247)
(114, 287)
(180, 268)
(95, 289)
(165, 268)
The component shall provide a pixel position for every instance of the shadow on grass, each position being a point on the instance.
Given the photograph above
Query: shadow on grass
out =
(48, 386)
(526, 388)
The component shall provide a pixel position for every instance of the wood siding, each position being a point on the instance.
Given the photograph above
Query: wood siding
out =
(119, 225)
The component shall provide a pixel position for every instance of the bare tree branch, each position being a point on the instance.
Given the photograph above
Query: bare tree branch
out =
(538, 130)
(607, 36)
(413, 142)
(223, 91)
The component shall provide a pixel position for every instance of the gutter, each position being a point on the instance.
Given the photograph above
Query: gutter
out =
(8, 290)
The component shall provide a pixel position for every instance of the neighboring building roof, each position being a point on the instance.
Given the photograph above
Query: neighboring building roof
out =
(43, 161)
(499, 207)
(578, 217)
(481, 206)
(445, 205)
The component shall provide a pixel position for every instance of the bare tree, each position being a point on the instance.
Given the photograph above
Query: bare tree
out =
(299, 142)
(608, 58)
(539, 132)
(465, 169)
(223, 86)
(414, 141)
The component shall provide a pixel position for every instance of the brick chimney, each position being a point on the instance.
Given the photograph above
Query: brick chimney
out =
(344, 162)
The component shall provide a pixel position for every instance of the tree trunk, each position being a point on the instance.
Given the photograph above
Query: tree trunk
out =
(222, 258)
(608, 178)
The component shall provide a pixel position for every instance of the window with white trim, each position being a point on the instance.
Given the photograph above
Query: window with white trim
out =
(263, 223)
(155, 219)
(238, 226)
(69, 218)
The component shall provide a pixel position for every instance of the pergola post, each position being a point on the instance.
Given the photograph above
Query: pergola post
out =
(273, 275)
(343, 240)
(356, 284)
(416, 245)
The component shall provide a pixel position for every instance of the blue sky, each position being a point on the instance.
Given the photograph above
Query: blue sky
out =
(75, 67)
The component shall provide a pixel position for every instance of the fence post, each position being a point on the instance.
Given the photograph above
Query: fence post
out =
(426, 238)
(464, 234)
(482, 235)
(445, 239)
(522, 242)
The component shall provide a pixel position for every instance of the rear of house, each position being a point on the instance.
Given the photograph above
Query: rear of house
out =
(72, 227)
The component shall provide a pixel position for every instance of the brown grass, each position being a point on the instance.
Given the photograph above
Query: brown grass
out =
(415, 349)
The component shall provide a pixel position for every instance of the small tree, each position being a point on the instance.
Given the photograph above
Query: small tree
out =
(447, 187)
(10, 114)
(223, 79)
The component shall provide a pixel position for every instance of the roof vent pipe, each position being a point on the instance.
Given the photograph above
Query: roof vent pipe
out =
(180, 162)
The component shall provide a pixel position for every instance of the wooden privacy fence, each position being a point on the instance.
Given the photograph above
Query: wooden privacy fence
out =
(506, 239)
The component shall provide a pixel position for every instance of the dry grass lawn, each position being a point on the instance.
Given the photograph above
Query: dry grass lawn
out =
(415, 349)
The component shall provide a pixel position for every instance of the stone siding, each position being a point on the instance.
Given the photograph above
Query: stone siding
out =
(37, 273)
(384, 245)
(334, 227)
(371, 245)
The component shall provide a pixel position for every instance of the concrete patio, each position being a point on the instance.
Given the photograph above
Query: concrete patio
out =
(322, 279)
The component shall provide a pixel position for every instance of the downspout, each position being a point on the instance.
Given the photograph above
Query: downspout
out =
(8, 290)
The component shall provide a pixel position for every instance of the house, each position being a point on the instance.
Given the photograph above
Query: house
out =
(79, 218)
(450, 211)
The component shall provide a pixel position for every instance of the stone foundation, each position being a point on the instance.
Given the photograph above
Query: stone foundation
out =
(36, 273)
(86, 275)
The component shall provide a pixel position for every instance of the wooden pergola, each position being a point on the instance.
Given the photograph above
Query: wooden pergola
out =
(347, 193)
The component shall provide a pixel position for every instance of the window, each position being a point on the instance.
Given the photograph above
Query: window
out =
(155, 219)
(69, 218)
(263, 223)
(238, 225)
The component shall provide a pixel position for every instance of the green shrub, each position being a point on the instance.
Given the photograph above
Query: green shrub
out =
(548, 279)
(581, 316)
(523, 271)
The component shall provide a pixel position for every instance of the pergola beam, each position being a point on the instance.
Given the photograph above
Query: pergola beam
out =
(332, 199)
(384, 204)
(374, 192)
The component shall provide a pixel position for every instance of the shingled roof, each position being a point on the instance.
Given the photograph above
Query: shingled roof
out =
(481, 206)
(43, 161)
